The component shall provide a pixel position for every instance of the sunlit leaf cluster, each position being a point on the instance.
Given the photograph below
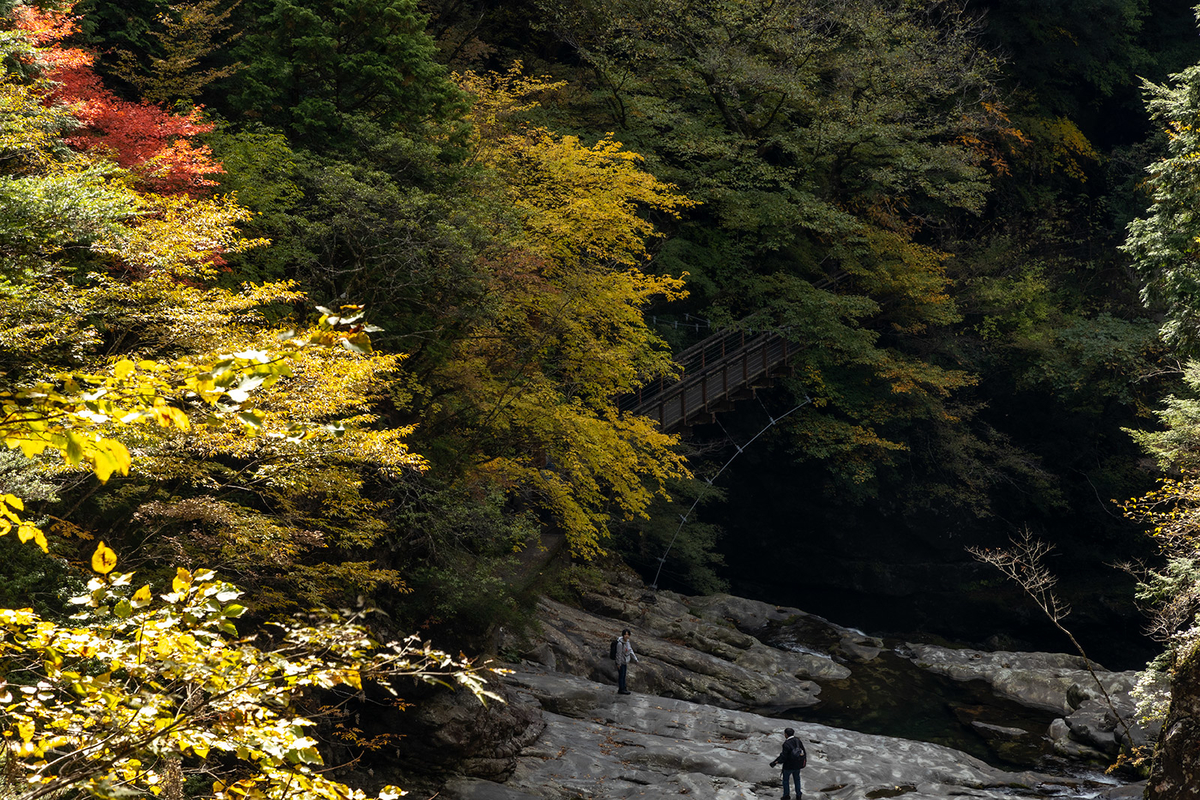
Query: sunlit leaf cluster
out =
(141, 680)
(567, 334)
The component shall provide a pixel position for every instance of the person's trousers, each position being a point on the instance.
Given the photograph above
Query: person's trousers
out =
(622, 672)
(794, 774)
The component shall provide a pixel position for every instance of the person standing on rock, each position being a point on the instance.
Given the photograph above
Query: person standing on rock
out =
(793, 758)
(625, 654)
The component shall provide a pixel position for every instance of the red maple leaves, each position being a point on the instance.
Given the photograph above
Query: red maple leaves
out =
(152, 143)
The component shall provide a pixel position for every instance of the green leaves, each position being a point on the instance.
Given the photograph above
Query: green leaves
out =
(41, 215)
(310, 64)
(826, 142)
(1163, 244)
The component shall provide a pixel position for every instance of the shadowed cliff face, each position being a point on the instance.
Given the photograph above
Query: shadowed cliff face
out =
(964, 715)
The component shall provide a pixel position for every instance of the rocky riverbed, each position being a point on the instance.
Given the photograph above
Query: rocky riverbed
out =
(719, 678)
(597, 744)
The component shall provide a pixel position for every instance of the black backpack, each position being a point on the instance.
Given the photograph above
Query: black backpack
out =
(797, 748)
(612, 649)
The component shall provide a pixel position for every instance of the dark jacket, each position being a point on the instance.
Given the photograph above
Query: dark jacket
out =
(793, 755)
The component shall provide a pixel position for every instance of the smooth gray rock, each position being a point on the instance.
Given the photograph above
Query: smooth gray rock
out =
(1037, 680)
(1132, 791)
(679, 655)
(1059, 729)
(705, 717)
(999, 731)
(642, 746)
(1094, 724)
(746, 615)
(1053, 682)
(754, 617)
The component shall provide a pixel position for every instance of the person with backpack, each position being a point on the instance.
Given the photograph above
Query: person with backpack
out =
(622, 653)
(793, 758)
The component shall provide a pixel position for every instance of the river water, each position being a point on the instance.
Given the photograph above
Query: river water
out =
(892, 696)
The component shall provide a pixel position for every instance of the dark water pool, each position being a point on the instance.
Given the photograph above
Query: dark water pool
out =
(892, 696)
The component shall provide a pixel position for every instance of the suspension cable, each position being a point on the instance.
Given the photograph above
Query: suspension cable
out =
(684, 518)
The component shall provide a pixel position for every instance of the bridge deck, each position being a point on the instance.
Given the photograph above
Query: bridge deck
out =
(715, 372)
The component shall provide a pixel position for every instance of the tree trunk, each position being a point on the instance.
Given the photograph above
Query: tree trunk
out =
(1175, 772)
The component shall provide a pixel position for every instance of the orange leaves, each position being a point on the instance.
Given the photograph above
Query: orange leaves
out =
(988, 148)
(46, 28)
(150, 142)
(156, 217)
(143, 138)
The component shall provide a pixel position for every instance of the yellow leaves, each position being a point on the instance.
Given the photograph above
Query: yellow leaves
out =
(10, 504)
(103, 559)
(178, 235)
(56, 415)
(109, 456)
(1060, 146)
(29, 532)
(242, 696)
(497, 98)
(30, 134)
(593, 463)
(123, 369)
(329, 385)
(568, 329)
(577, 203)
(182, 581)
(1173, 509)
(581, 203)
(353, 678)
(142, 597)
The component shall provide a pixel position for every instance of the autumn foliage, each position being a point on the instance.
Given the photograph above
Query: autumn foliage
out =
(155, 145)
(124, 366)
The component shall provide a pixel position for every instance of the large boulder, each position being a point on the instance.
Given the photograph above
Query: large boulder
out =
(1037, 680)
(437, 732)
(730, 655)
(1099, 714)
(702, 658)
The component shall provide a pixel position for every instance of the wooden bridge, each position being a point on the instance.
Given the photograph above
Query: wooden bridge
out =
(717, 371)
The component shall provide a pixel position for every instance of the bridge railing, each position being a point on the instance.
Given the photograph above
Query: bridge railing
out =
(715, 371)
